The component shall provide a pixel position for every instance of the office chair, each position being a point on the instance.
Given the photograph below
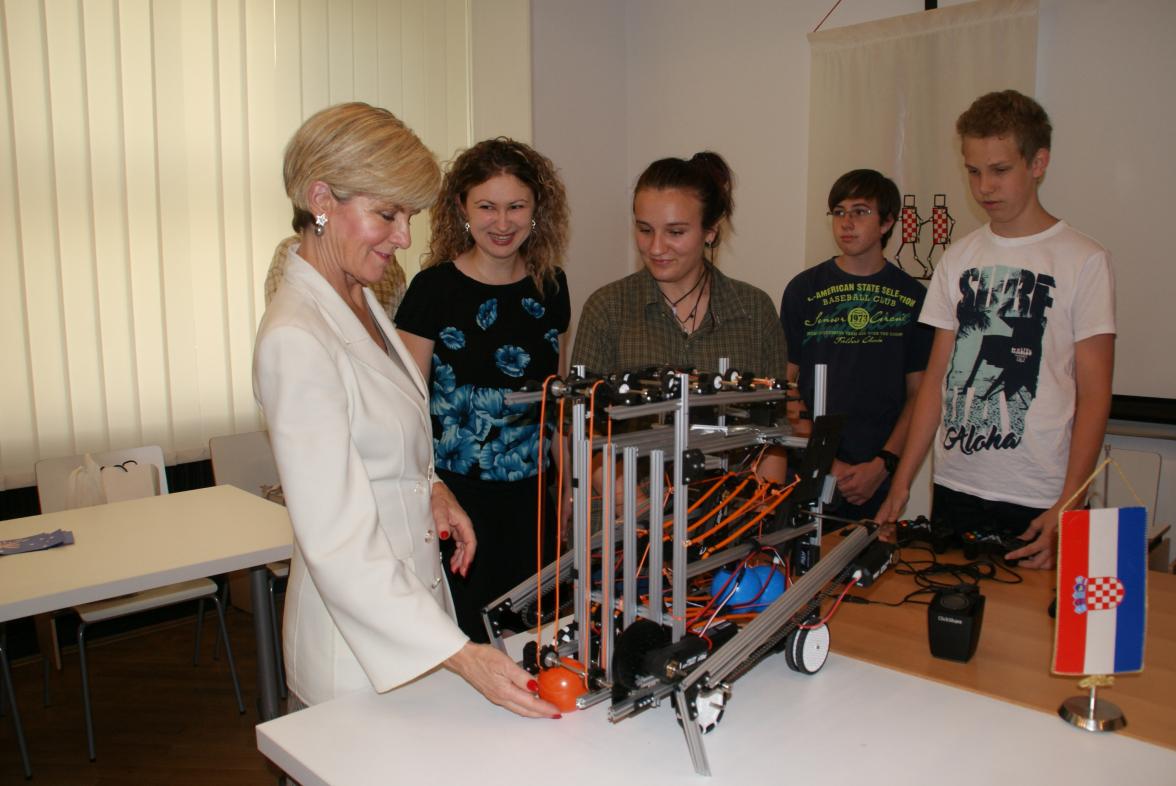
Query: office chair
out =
(8, 697)
(52, 484)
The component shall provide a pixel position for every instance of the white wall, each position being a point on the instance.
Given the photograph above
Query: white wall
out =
(619, 84)
(578, 76)
(500, 69)
(629, 82)
(1106, 73)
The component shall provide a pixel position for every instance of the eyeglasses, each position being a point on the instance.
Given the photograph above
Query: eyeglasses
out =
(856, 213)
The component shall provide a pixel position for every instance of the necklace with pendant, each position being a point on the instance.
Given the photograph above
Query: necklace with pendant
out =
(692, 317)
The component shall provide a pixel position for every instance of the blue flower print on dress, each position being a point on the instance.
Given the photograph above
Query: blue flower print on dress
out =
(552, 337)
(511, 455)
(511, 360)
(487, 313)
(456, 451)
(444, 380)
(453, 409)
(487, 410)
(533, 307)
(452, 338)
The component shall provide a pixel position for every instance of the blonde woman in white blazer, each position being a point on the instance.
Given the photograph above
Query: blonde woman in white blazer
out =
(367, 607)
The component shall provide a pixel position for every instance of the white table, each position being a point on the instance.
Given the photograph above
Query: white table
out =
(850, 723)
(146, 543)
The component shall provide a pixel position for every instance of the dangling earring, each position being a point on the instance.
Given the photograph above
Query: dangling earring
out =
(320, 221)
(467, 227)
(533, 225)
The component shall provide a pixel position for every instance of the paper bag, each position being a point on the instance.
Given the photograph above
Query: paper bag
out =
(130, 480)
(83, 487)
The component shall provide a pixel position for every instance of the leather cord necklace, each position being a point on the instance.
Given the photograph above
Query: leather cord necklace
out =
(692, 317)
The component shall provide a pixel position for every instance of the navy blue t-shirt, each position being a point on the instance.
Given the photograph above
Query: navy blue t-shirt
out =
(866, 330)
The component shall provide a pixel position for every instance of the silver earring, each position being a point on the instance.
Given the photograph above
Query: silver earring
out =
(467, 227)
(533, 224)
(320, 221)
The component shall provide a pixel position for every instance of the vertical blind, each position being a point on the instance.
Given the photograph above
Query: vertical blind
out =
(141, 196)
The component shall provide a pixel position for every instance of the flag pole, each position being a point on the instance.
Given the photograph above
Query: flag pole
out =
(1090, 712)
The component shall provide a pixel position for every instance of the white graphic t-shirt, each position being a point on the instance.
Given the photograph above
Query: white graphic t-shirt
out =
(1017, 306)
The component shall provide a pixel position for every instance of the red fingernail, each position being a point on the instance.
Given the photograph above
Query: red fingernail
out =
(444, 534)
(532, 686)
(556, 717)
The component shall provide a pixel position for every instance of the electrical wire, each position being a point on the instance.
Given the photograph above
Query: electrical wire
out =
(779, 497)
(836, 605)
(539, 527)
(559, 514)
(826, 16)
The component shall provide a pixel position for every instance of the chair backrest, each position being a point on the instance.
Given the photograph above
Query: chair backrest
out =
(243, 460)
(53, 474)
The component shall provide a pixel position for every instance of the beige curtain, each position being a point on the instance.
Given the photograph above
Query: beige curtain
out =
(885, 95)
(141, 196)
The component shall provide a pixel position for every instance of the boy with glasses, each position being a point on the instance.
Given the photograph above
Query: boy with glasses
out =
(857, 314)
(1018, 385)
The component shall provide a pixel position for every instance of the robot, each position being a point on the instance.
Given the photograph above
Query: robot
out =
(673, 602)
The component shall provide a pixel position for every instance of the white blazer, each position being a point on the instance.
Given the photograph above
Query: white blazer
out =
(367, 606)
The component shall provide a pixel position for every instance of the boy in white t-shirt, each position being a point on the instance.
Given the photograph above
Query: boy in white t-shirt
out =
(1018, 386)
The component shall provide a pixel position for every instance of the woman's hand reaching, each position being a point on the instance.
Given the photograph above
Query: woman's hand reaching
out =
(452, 522)
(500, 680)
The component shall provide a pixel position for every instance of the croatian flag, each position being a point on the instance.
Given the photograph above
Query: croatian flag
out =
(1102, 591)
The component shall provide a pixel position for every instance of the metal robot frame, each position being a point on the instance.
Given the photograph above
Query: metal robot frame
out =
(707, 683)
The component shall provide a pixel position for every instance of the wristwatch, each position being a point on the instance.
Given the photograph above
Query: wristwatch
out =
(889, 460)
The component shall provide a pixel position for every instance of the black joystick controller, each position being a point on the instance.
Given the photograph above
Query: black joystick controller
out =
(921, 530)
(991, 544)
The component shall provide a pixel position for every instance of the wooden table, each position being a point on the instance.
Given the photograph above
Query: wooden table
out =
(1012, 661)
(142, 544)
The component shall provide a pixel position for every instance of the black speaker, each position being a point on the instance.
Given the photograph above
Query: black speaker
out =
(953, 623)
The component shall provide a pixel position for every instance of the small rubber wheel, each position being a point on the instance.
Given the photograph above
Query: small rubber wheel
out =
(808, 649)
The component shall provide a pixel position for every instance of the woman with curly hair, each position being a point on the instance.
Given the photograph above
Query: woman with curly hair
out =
(488, 311)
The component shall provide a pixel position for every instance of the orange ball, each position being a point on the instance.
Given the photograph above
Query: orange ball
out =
(562, 687)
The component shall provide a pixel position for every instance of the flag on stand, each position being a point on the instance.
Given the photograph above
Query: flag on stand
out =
(1102, 591)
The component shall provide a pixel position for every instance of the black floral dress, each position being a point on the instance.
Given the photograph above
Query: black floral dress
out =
(488, 340)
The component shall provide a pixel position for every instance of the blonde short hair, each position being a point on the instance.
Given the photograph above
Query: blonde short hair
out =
(355, 149)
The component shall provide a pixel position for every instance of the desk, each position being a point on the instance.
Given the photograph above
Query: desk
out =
(853, 722)
(861, 719)
(145, 543)
(1016, 645)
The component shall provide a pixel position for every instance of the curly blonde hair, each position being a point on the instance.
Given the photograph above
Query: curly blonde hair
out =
(544, 248)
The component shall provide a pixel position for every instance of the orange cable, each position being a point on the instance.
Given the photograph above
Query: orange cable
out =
(752, 501)
(559, 511)
(778, 497)
(539, 527)
(715, 511)
(714, 487)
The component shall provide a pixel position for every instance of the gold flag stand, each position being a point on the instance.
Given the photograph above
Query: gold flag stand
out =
(1091, 712)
